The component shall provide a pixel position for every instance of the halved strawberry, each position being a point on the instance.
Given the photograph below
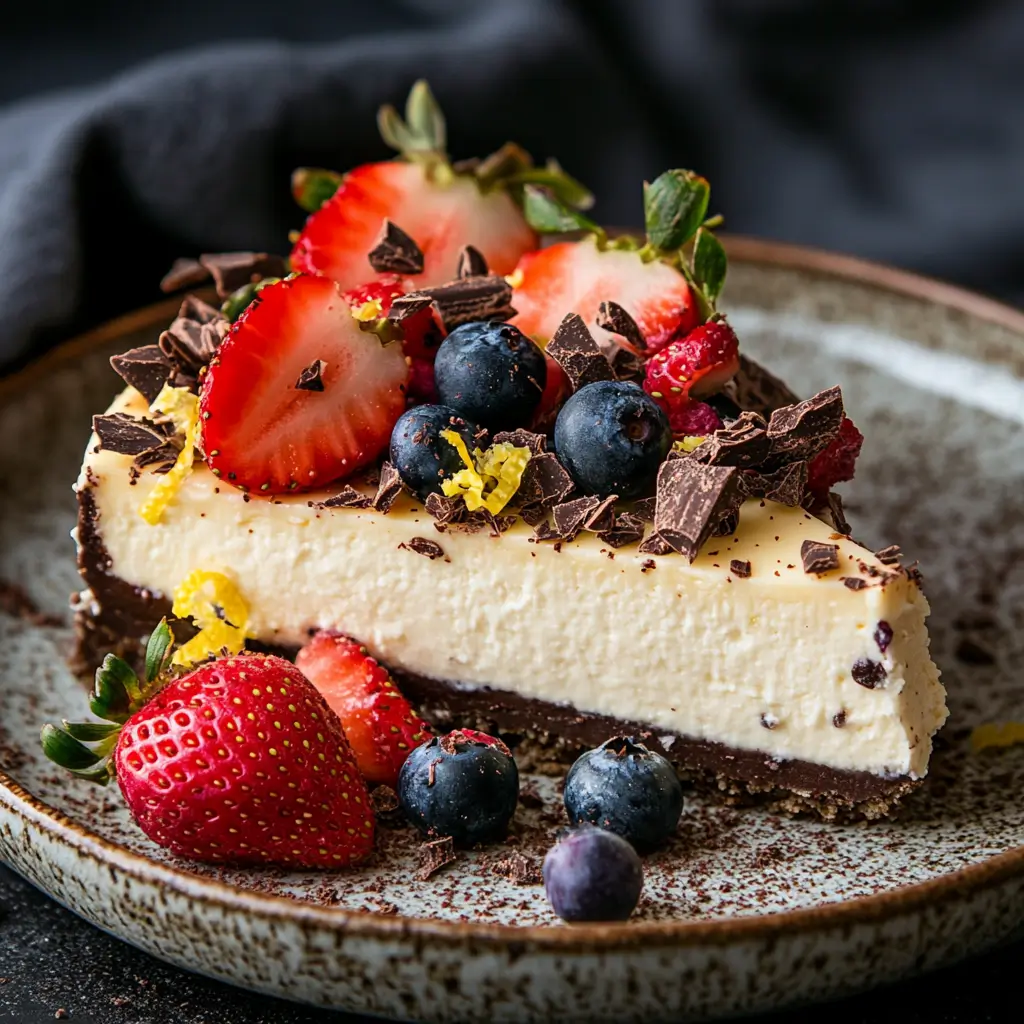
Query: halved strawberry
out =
(576, 277)
(379, 723)
(262, 433)
(693, 366)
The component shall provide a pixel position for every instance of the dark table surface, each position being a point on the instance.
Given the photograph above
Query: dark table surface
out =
(51, 961)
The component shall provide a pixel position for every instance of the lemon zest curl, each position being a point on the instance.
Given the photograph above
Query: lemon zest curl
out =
(181, 407)
(490, 479)
(217, 607)
(690, 443)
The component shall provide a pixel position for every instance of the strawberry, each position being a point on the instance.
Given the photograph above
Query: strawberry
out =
(440, 206)
(261, 432)
(694, 366)
(378, 721)
(837, 462)
(240, 760)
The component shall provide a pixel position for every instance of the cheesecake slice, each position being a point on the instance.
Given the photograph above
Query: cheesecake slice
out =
(761, 666)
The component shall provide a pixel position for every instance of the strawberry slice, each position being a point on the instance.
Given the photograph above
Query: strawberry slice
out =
(262, 433)
(379, 723)
(576, 277)
(441, 213)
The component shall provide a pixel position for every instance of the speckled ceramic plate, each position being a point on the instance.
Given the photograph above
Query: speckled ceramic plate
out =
(744, 910)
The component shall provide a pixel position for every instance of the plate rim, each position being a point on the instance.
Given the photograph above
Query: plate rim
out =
(590, 938)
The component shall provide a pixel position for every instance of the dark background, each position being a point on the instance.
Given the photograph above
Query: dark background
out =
(134, 132)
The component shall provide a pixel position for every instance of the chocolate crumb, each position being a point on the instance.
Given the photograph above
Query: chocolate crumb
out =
(869, 674)
(347, 497)
(312, 377)
(740, 568)
(429, 548)
(388, 489)
(518, 869)
(854, 582)
(768, 720)
(648, 565)
(394, 252)
(889, 555)
(434, 855)
(839, 718)
(384, 801)
(819, 557)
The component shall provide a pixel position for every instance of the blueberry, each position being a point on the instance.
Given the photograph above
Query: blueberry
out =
(612, 436)
(625, 788)
(464, 785)
(422, 457)
(592, 875)
(491, 373)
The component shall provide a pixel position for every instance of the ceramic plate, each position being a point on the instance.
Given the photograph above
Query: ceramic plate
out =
(745, 910)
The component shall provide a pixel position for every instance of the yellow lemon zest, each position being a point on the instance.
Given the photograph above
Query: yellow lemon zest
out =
(690, 443)
(181, 407)
(515, 279)
(490, 478)
(996, 734)
(215, 605)
(369, 310)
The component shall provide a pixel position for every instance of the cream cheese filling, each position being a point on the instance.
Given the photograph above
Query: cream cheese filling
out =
(762, 663)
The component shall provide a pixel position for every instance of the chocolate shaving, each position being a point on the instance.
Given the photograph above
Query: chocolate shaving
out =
(231, 270)
(627, 529)
(471, 262)
(312, 377)
(388, 489)
(787, 485)
(798, 432)
(484, 297)
(819, 557)
(574, 349)
(194, 336)
(889, 555)
(518, 869)
(656, 545)
(743, 443)
(692, 499)
(644, 509)
(545, 482)
(739, 567)
(521, 438)
(159, 460)
(347, 497)
(854, 582)
(601, 518)
(394, 252)
(409, 305)
(533, 514)
(570, 515)
(869, 674)
(146, 369)
(434, 855)
(754, 388)
(613, 317)
(129, 435)
(835, 513)
(445, 510)
(839, 718)
(545, 531)
(727, 525)
(627, 365)
(428, 548)
(184, 273)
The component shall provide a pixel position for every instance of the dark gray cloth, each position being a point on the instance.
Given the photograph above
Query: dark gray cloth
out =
(887, 128)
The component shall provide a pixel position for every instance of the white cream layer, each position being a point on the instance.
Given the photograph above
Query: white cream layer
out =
(691, 649)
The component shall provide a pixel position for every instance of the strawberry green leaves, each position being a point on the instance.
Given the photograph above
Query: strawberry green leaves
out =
(709, 264)
(84, 748)
(675, 205)
(422, 132)
(313, 186)
(546, 214)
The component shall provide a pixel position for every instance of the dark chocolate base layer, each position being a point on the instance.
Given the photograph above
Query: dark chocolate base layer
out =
(120, 616)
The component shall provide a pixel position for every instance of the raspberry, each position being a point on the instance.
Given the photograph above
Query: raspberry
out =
(837, 462)
(693, 419)
(698, 364)
(421, 379)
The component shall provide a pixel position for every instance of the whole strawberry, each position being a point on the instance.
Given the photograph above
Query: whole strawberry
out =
(240, 760)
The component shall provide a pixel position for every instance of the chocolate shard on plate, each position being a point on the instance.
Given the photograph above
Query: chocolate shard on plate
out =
(429, 548)
(521, 438)
(445, 510)
(471, 262)
(819, 557)
(574, 349)
(627, 529)
(312, 377)
(570, 515)
(231, 270)
(388, 489)
(740, 568)
(692, 500)
(395, 252)
(434, 855)
(744, 443)
(601, 517)
(545, 482)
(483, 297)
(613, 317)
(656, 545)
(145, 368)
(129, 435)
(184, 273)
(347, 497)
(798, 432)
(755, 389)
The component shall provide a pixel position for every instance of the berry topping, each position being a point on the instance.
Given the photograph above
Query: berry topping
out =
(439, 209)
(379, 723)
(592, 875)
(694, 366)
(265, 435)
(464, 785)
(421, 455)
(837, 462)
(241, 760)
(692, 419)
(612, 438)
(625, 788)
(491, 373)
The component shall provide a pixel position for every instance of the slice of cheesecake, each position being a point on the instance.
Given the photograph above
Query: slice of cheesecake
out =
(785, 659)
